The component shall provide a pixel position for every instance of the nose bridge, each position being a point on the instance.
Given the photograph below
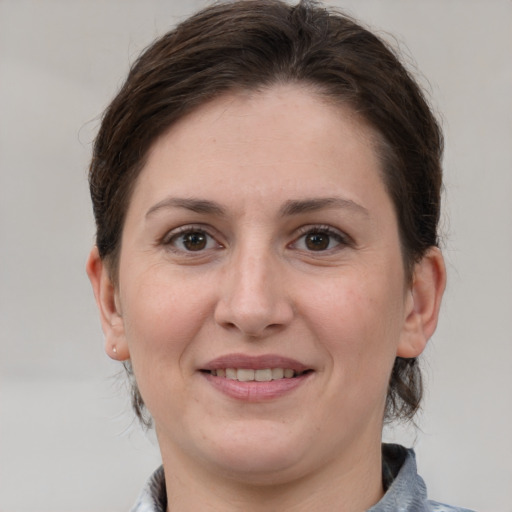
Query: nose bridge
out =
(253, 298)
(253, 277)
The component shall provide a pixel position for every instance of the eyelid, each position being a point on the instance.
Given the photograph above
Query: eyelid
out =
(344, 239)
(172, 234)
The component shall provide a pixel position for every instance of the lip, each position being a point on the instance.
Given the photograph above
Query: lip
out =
(255, 362)
(254, 391)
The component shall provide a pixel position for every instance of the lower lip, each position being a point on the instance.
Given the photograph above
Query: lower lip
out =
(254, 391)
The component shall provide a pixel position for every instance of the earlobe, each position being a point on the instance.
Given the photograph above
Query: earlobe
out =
(105, 293)
(423, 303)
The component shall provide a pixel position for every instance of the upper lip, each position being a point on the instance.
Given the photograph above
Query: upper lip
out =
(254, 362)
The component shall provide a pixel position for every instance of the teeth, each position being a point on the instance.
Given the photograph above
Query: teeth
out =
(263, 375)
(277, 373)
(245, 375)
(248, 375)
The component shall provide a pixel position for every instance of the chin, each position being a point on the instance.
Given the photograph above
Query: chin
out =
(261, 452)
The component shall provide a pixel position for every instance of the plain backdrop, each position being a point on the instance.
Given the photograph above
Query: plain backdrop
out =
(68, 442)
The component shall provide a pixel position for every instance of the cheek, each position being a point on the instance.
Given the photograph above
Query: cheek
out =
(359, 321)
(162, 314)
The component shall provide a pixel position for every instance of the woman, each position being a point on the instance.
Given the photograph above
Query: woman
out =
(266, 192)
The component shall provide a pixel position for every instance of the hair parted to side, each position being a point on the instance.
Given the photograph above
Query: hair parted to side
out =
(252, 45)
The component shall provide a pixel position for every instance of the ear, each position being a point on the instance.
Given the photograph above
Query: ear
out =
(107, 300)
(423, 303)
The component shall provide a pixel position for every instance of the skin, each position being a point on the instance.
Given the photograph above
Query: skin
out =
(260, 286)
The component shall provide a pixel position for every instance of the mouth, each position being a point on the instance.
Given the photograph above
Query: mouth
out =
(256, 375)
(256, 378)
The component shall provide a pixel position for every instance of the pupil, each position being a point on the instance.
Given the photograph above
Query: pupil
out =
(194, 241)
(317, 241)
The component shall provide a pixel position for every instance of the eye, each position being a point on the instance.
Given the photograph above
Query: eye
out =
(190, 240)
(320, 238)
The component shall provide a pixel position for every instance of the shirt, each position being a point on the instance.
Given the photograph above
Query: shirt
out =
(405, 489)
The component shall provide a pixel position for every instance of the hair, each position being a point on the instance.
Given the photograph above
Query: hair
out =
(255, 44)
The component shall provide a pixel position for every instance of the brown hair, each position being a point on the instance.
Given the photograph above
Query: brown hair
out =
(252, 44)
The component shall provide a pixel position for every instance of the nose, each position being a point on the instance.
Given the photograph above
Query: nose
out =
(253, 298)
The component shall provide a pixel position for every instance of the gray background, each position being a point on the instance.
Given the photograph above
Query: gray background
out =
(67, 439)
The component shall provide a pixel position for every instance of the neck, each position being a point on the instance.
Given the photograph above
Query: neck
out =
(350, 485)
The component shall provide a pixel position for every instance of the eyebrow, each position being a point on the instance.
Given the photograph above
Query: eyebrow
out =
(195, 205)
(311, 205)
(290, 208)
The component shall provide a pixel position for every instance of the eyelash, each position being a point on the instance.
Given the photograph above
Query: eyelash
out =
(173, 236)
(170, 239)
(341, 239)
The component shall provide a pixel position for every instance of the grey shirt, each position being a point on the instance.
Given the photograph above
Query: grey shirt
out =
(405, 489)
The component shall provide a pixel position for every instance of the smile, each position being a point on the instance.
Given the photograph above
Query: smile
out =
(258, 375)
(258, 379)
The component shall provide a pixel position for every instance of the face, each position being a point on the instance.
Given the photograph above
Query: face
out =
(261, 296)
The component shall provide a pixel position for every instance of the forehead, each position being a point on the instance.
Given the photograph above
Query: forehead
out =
(297, 110)
(286, 139)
